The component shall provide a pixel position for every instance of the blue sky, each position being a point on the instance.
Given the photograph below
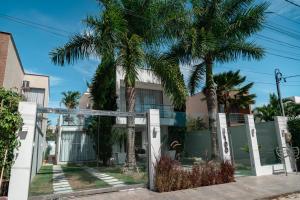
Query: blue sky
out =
(34, 45)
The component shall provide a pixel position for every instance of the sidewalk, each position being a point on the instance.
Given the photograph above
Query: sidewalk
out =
(245, 188)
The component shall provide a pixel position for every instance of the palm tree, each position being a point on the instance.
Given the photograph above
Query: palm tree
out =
(218, 32)
(267, 112)
(272, 109)
(71, 101)
(125, 33)
(231, 93)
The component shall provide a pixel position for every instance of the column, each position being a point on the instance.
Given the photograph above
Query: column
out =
(281, 130)
(223, 139)
(253, 146)
(21, 169)
(154, 144)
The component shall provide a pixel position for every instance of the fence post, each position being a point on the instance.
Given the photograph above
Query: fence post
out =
(281, 130)
(154, 144)
(21, 169)
(223, 139)
(253, 146)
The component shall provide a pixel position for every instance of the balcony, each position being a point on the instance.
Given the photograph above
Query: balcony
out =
(165, 111)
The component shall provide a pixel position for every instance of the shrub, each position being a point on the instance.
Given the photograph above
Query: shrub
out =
(171, 176)
(294, 129)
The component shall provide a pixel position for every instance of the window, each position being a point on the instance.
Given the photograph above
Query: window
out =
(145, 99)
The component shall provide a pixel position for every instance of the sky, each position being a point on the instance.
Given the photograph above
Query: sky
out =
(65, 18)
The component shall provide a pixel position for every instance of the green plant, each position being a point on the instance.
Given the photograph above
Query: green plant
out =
(294, 129)
(195, 124)
(10, 123)
(272, 109)
(218, 31)
(231, 92)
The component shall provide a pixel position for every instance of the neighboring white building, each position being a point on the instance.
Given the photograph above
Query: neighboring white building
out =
(295, 99)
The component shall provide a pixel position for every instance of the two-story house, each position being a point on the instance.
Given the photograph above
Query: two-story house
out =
(149, 95)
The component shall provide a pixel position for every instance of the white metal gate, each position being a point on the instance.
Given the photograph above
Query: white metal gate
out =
(76, 146)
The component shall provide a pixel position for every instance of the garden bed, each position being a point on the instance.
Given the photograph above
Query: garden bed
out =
(171, 176)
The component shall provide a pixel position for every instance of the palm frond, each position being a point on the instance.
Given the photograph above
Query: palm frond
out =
(196, 76)
(79, 47)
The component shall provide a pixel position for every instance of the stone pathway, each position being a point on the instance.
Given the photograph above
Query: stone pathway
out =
(60, 183)
(105, 177)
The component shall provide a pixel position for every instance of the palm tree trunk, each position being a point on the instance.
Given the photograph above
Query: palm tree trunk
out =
(212, 106)
(130, 107)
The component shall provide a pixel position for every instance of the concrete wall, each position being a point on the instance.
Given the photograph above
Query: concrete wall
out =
(39, 81)
(197, 144)
(11, 70)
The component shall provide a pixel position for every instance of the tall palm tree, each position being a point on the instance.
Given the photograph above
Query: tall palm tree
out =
(218, 32)
(126, 32)
(70, 99)
(231, 93)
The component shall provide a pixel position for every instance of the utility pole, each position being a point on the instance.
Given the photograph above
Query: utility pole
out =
(278, 78)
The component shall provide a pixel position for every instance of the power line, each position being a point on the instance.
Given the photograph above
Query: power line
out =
(266, 38)
(36, 26)
(293, 3)
(287, 57)
(284, 17)
(35, 23)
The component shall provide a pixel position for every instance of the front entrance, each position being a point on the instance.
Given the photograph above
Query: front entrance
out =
(86, 153)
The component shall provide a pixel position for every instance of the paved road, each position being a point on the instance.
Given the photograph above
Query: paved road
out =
(245, 188)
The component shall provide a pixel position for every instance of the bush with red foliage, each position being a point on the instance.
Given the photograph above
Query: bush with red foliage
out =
(170, 176)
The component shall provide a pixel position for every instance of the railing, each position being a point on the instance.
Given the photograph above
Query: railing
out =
(165, 111)
(236, 118)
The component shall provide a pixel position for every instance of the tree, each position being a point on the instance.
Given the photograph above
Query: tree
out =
(71, 99)
(125, 32)
(218, 32)
(231, 93)
(10, 123)
(272, 109)
(103, 92)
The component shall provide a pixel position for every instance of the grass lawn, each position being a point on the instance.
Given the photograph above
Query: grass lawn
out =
(129, 179)
(80, 179)
(42, 182)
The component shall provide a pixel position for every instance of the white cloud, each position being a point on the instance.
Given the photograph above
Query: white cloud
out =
(55, 80)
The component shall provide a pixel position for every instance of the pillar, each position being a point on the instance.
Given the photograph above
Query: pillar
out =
(223, 139)
(252, 144)
(281, 130)
(154, 144)
(21, 170)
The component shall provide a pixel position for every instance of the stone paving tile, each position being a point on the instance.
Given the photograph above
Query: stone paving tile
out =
(60, 183)
(245, 188)
(105, 177)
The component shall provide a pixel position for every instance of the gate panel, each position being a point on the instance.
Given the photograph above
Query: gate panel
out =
(76, 146)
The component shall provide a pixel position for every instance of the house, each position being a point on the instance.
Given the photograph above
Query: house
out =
(196, 107)
(33, 88)
(295, 99)
(149, 95)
